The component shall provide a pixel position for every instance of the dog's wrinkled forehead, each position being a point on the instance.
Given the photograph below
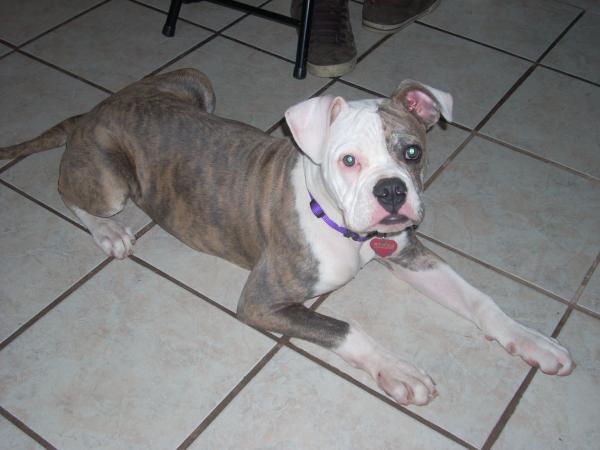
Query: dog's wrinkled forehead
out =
(401, 129)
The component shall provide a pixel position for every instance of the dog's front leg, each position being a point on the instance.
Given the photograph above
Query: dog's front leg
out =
(429, 274)
(271, 300)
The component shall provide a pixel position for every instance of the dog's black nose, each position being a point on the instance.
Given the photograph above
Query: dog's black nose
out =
(390, 193)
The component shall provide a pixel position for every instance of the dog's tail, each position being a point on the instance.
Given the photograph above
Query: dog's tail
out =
(54, 137)
(195, 85)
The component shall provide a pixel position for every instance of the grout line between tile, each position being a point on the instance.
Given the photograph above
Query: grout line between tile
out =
(447, 162)
(586, 311)
(273, 127)
(514, 403)
(205, 41)
(8, 44)
(188, 21)
(25, 429)
(373, 47)
(147, 265)
(570, 75)
(509, 410)
(511, 407)
(182, 55)
(380, 396)
(76, 16)
(254, 47)
(535, 156)
(196, 293)
(229, 397)
(10, 52)
(586, 280)
(64, 71)
(54, 303)
(505, 97)
(11, 163)
(474, 41)
(145, 229)
(499, 271)
(364, 89)
(43, 205)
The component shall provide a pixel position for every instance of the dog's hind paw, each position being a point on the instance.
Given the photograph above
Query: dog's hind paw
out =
(115, 239)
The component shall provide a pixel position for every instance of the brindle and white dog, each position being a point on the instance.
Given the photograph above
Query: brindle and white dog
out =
(303, 222)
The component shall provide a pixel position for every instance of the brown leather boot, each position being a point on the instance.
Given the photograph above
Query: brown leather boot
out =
(392, 15)
(331, 49)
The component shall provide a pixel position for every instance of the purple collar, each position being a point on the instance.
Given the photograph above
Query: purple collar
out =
(320, 214)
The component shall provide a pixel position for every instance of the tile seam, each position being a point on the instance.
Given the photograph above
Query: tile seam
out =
(224, 403)
(348, 378)
(64, 71)
(504, 273)
(216, 34)
(142, 262)
(25, 429)
(57, 301)
(536, 156)
(42, 204)
(512, 405)
(61, 24)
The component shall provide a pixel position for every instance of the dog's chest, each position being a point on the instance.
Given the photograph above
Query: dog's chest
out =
(338, 258)
(337, 264)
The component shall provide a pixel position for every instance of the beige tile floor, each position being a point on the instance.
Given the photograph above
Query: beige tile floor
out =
(146, 353)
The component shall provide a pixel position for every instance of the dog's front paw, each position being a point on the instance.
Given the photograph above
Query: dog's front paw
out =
(405, 383)
(534, 348)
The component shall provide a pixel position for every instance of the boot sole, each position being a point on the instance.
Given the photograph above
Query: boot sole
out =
(331, 71)
(391, 28)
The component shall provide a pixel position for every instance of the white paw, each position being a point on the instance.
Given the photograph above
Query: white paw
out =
(534, 348)
(405, 383)
(399, 379)
(114, 239)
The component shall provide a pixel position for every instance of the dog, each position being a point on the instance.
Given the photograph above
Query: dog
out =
(303, 216)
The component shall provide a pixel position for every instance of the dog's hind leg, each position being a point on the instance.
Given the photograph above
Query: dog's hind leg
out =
(94, 183)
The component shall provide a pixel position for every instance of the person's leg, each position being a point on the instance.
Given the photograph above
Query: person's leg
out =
(331, 49)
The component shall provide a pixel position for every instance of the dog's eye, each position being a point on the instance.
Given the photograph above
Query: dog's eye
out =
(412, 153)
(349, 160)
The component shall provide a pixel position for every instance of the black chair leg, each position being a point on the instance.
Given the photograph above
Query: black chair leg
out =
(303, 38)
(169, 28)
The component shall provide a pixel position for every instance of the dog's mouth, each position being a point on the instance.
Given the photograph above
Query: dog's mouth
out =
(394, 219)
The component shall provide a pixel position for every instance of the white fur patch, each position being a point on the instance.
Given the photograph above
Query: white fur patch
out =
(338, 257)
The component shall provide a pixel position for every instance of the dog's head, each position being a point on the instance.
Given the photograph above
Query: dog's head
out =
(371, 154)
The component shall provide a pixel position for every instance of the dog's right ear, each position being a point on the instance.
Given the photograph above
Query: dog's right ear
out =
(310, 122)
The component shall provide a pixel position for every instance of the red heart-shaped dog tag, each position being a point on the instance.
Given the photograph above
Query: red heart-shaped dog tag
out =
(383, 247)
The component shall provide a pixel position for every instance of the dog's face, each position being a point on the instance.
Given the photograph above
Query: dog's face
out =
(371, 154)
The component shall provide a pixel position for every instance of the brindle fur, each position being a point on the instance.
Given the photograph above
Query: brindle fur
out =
(414, 256)
(143, 144)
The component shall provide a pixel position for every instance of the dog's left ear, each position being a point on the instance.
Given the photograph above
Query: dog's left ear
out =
(425, 102)
(310, 121)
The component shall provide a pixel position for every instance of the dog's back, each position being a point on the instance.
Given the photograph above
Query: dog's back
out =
(190, 85)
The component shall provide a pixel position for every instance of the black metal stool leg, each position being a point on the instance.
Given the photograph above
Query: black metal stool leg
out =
(169, 28)
(303, 38)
